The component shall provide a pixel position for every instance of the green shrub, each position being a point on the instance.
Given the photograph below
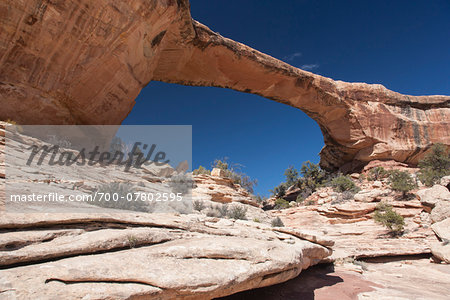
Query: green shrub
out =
(401, 182)
(256, 220)
(198, 205)
(435, 165)
(377, 173)
(344, 183)
(238, 212)
(115, 195)
(277, 222)
(280, 203)
(201, 170)
(385, 215)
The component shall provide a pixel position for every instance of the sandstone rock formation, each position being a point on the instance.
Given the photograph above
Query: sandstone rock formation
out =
(349, 222)
(80, 251)
(85, 62)
(158, 256)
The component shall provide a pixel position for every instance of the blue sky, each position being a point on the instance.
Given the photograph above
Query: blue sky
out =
(404, 45)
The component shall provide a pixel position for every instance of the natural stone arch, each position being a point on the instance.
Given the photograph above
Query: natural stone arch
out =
(90, 70)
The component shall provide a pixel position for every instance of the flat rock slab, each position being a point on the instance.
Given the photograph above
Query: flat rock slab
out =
(160, 256)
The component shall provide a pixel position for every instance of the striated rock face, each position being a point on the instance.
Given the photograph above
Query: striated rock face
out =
(84, 62)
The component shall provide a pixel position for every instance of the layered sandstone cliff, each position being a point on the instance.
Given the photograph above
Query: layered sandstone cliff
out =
(84, 62)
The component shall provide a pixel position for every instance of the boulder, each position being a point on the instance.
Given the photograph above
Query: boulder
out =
(440, 212)
(370, 195)
(377, 184)
(431, 196)
(442, 229)
(441, 252)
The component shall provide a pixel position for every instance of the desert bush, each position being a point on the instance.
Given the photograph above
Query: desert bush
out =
(344, 196)
(198, 205)
(280, 203)
(401, 182)
(213, 211)
(114, 195)
(233, 172)
(132, 241)
(201, 170)
(223, 210)
(344, 183)
(377, 173)
(434, 165)
(277, 222)
(246, 182)
(386, 216)
(238, 212)
(181, 183)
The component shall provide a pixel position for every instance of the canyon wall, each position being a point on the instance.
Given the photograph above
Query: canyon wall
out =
(84, 62)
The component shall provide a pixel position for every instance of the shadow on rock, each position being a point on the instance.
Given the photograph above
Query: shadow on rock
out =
(302, 287)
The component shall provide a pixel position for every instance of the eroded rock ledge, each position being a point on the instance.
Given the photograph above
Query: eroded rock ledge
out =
(158, 256)
(84, 62)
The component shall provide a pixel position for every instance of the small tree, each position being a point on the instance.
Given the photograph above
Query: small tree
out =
(279, 191)
(401, 182)
(435, 165)
(386, 216)
(291, 175)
